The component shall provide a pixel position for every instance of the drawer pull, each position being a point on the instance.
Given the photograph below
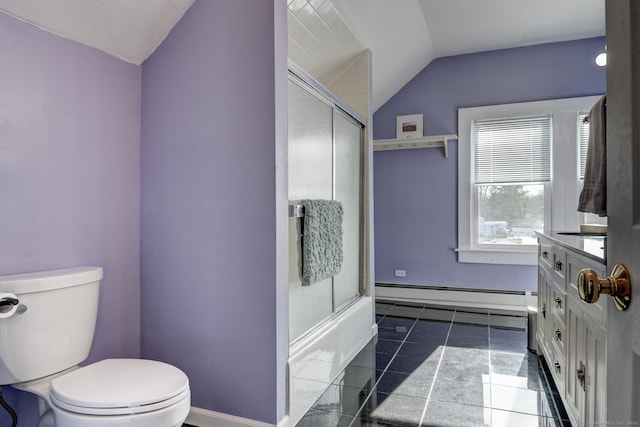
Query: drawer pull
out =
(558, 265)
(543, 310)
(581, 374)
(558, 301)
(557, 335)
(545, 254)
(557, 367)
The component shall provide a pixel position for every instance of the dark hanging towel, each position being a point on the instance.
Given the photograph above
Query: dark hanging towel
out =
(593, 198)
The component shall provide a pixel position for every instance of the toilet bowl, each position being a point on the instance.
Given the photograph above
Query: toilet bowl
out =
(111, 392)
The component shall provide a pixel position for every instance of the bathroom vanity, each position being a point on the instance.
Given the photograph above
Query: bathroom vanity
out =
(571, 334)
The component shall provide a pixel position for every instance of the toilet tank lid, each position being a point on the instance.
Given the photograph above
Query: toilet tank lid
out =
(25, 283)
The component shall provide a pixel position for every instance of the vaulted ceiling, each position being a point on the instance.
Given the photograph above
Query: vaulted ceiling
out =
(325, 36)
(405, 36)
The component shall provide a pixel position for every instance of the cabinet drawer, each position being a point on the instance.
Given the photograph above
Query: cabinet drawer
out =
(576, 263)
(545, 254)
(558, 335)
(597, 311)
(557, 301)
(543, 305)
(559, 264)
(557, 368)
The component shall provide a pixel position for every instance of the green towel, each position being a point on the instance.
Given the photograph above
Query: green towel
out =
(322, 240)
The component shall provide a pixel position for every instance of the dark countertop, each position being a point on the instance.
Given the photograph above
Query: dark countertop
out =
(593, 247)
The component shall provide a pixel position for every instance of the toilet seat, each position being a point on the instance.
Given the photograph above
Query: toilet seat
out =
(120, 387)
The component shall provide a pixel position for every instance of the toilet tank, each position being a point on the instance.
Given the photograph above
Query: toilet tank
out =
(52, 330)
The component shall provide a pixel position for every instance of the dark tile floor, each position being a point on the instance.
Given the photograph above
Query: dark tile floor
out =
(440, 366)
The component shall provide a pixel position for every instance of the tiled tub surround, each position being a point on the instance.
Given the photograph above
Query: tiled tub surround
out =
(436, 366)
(319, 357)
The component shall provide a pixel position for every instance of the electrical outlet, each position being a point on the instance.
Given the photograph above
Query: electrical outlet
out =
(400, 273)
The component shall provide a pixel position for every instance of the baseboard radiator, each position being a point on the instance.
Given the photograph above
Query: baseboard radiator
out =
(460, 297)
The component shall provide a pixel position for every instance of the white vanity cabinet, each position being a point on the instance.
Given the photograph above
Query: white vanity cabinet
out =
(572, 334)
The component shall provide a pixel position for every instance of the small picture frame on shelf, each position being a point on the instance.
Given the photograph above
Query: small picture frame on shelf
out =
(409, 126)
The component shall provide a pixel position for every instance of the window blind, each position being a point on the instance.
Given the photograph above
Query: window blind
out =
(583, 143)
(512, 150)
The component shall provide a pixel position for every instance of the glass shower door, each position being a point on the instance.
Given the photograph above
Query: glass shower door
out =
(310, 177)
(347, 190)
(324, 163)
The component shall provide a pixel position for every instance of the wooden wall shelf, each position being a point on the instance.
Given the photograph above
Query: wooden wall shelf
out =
(411, 143)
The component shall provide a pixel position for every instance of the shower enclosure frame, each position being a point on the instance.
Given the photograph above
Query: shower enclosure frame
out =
(350, 325)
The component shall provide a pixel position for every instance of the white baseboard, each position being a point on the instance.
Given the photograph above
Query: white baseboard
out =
(460, 297)
(204, 418)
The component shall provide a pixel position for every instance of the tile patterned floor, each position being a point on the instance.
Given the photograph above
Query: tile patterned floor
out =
(440, 366)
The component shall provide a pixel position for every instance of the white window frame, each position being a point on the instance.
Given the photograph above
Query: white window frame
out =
(560, 194)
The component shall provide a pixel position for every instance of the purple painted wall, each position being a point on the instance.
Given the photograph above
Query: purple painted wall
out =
(416, 190)
(69, 176)
(212, 127)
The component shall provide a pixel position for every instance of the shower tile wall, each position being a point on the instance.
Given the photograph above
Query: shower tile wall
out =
(317, 31)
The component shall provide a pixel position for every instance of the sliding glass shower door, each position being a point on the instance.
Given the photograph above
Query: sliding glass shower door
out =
(324, 163)
(348, 190)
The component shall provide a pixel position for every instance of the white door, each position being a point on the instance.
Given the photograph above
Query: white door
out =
(623, 206)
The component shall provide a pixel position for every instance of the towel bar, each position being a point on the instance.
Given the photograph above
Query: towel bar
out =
(296, 211)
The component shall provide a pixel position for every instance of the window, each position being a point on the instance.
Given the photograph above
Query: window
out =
(512, 169)
(517, 175)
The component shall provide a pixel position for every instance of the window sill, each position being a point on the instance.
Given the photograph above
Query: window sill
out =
(522, 256)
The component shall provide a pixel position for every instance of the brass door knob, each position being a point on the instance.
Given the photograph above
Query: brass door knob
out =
(617, 286)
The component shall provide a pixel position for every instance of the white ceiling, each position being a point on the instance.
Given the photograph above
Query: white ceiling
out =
(325, 36)
(465, 26)
(127, 29)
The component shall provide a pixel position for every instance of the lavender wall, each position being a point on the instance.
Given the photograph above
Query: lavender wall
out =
(416, 190)
(69, 176)
(212, 126)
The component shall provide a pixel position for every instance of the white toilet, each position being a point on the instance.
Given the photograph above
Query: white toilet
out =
(47, 321)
